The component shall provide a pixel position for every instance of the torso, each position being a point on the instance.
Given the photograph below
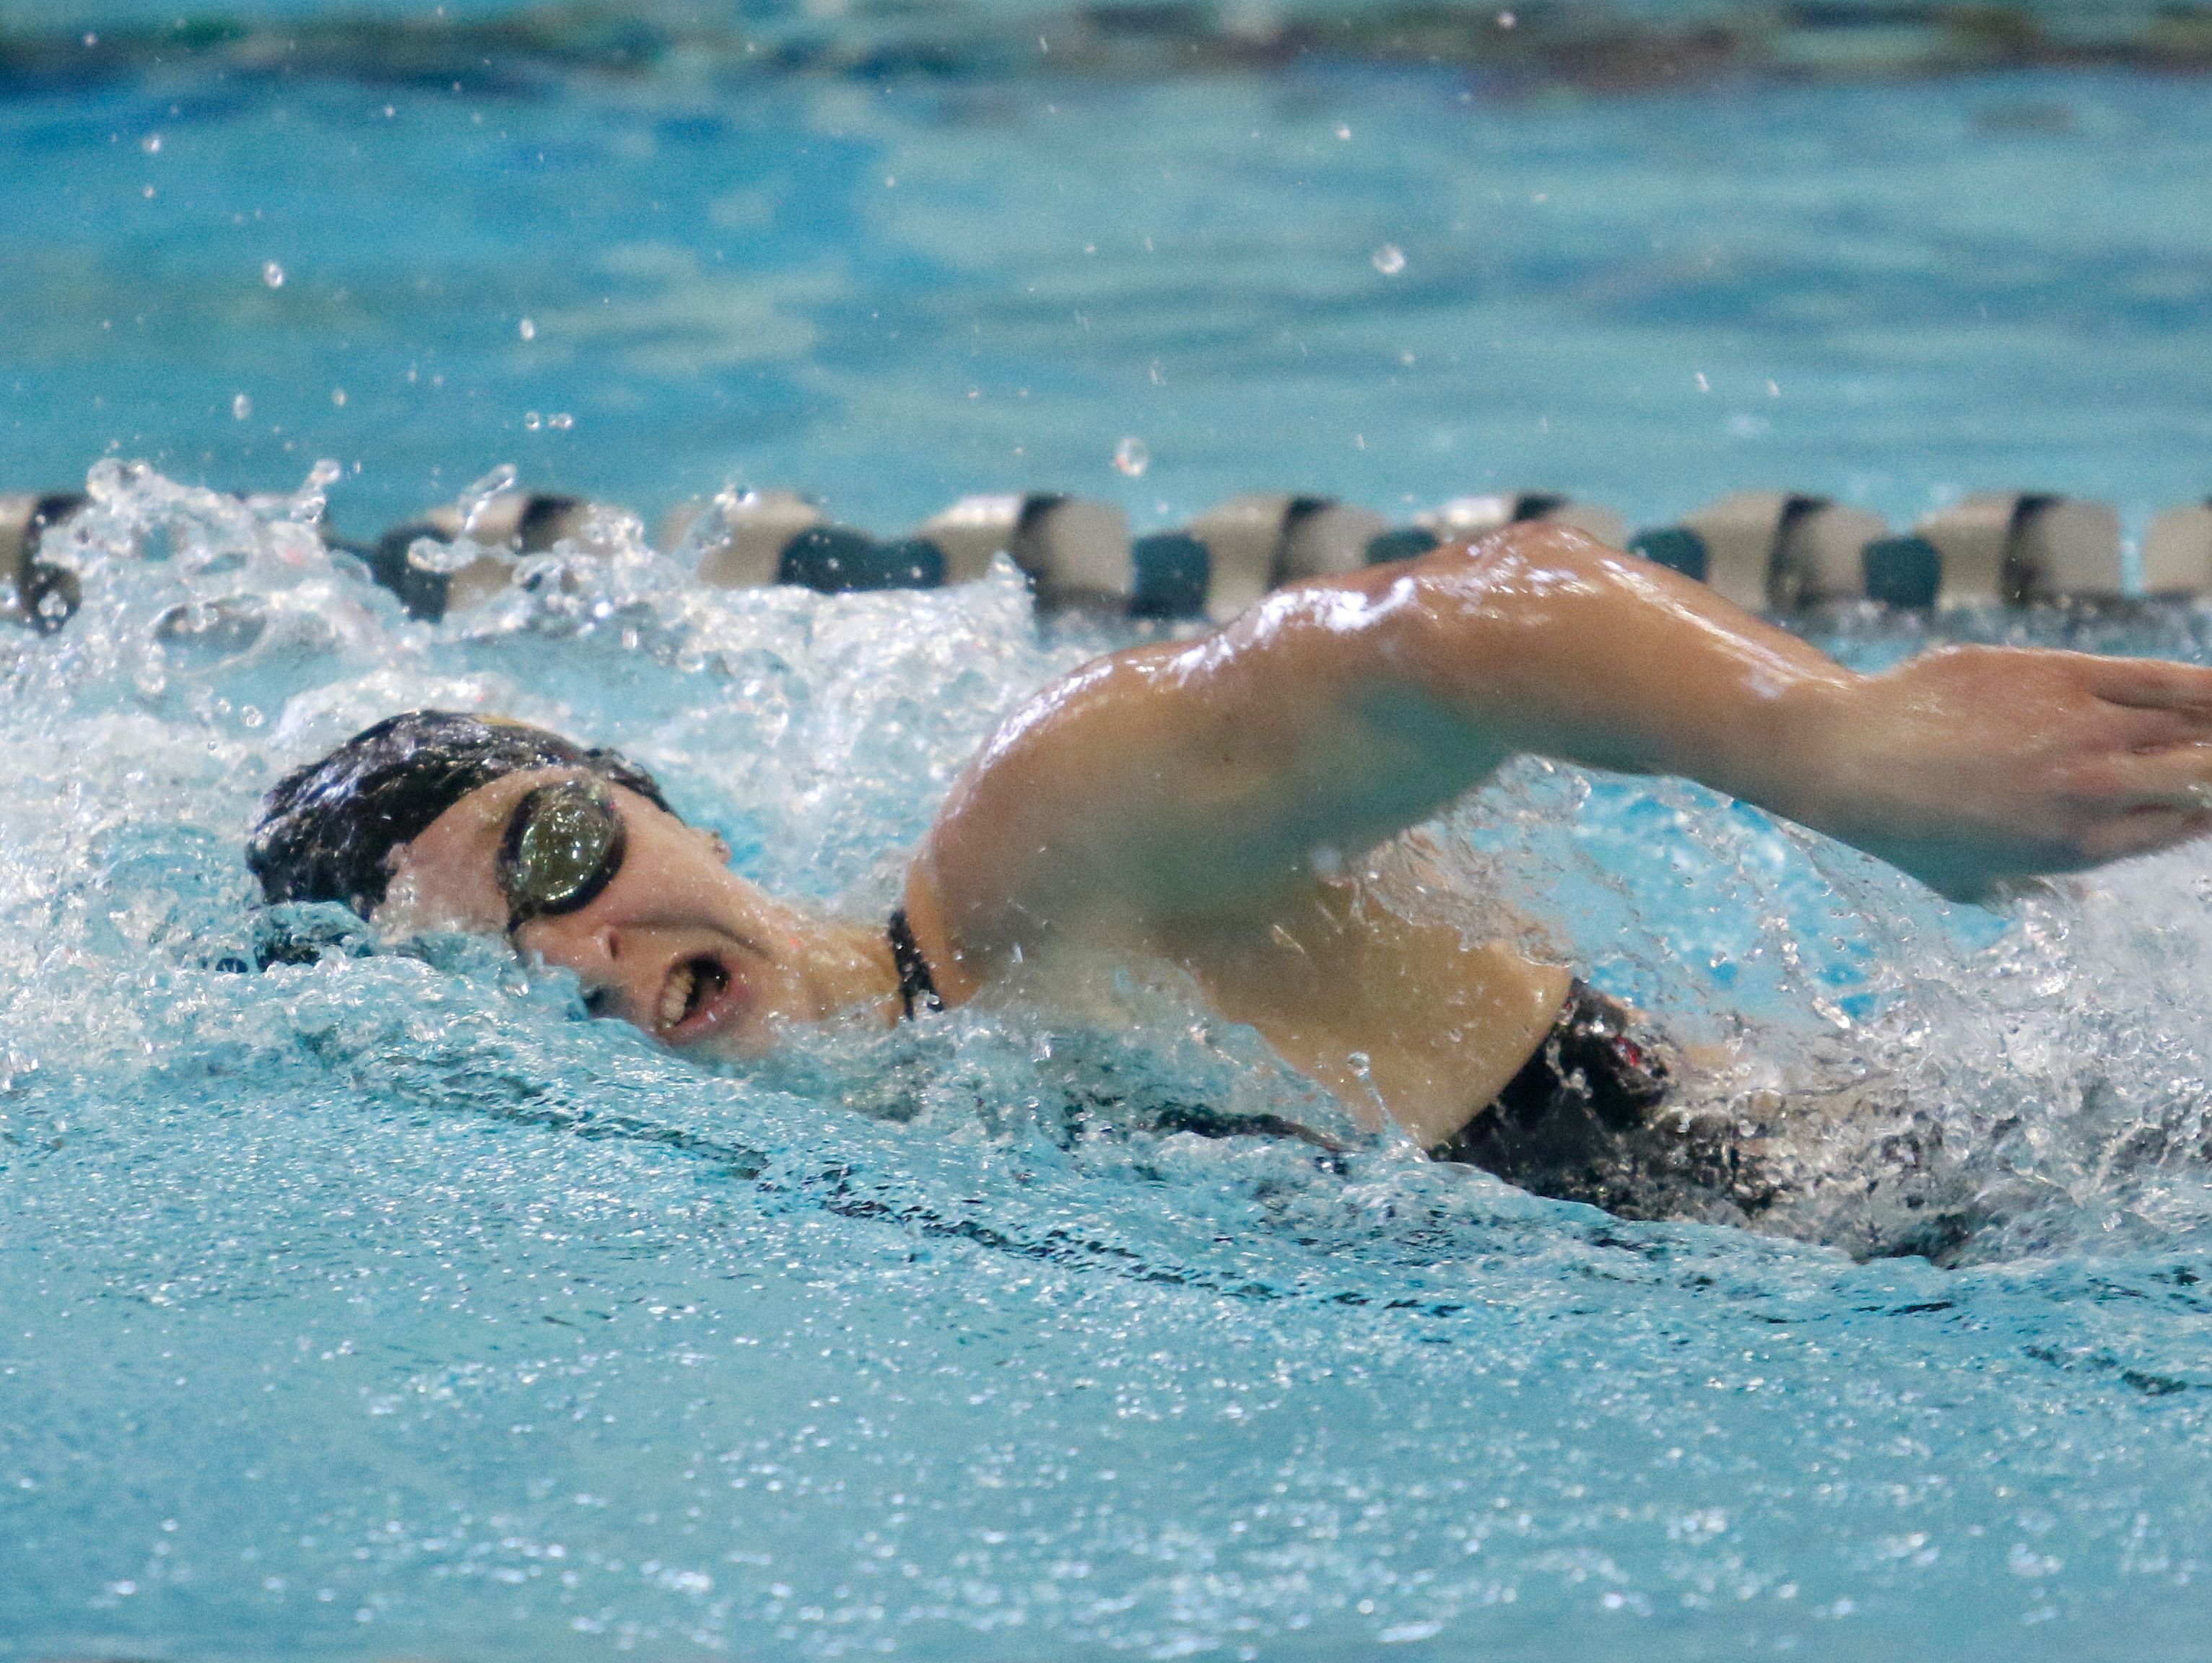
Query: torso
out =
(1395, 1017)
(1399, 1020)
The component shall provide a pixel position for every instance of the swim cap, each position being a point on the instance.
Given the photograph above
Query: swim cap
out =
(326, 830)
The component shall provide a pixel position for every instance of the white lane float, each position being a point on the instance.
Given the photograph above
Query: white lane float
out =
(33, 591)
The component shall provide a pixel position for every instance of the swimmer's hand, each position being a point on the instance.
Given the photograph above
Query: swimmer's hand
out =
(1973, 766)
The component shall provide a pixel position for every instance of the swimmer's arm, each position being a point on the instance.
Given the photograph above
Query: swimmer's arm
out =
(1964, 767)
(1210, 777)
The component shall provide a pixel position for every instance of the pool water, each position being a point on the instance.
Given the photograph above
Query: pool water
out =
(386, 1308)
(891, 291)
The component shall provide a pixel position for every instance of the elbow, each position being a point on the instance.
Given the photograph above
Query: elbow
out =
(1533, 557)
(1518, 596)
(1516, 572)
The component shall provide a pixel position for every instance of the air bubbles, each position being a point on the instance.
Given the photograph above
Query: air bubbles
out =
(1344, 129)
(151, 145)
(560, 422)
(273, 274)
(338, 397)
(527, 330)
(1132, 457)
(531, 420)
(241, 407)
(1390, 259)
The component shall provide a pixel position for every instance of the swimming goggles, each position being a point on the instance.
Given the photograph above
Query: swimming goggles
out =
(564, 845)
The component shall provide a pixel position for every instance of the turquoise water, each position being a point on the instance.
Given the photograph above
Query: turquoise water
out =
(892, 292)
(386, 1308)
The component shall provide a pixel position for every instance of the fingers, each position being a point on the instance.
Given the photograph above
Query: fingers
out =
(2174, 776)
(2153, 684)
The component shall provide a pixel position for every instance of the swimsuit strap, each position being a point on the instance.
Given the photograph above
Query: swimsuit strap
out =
(914, 983)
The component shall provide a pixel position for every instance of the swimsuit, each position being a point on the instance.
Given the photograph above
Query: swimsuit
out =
(1586, 1119)
(915, 984)
(1584, 1086)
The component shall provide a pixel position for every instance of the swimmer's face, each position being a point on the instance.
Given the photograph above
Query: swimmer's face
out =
(677, 943)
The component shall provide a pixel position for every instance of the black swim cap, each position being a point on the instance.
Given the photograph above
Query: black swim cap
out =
(327, 829)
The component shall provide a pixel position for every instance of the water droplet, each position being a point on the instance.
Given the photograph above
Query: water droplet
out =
(273, 274)
(479, 496)
(1343, 129)
(1390, 259)
(429, 553)
(208, 630)
(151, 145)
(338, 397)
(527, 330)
(560, 422)
(1132, 457)
(531, 420)
(241, 407)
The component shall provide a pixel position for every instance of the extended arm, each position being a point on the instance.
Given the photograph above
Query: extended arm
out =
(1208, 779)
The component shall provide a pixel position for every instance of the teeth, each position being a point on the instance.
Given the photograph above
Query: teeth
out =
(676, 997)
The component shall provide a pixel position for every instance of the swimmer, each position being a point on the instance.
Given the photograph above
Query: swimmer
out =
(1203, 804)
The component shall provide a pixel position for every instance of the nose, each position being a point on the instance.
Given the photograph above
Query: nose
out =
(594, 948)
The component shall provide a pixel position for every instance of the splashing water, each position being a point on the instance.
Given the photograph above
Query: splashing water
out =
(386, 1306)
(483, 493)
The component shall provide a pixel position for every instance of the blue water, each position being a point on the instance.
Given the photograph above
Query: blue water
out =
(387, 1309)
(892, 292)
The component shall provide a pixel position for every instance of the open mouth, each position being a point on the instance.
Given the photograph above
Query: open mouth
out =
(693, 988)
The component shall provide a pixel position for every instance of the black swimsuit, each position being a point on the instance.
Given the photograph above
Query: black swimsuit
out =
(1585, 1086)
(1585, 1119)
(915, 984)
